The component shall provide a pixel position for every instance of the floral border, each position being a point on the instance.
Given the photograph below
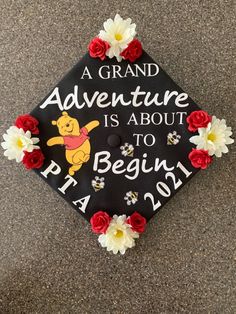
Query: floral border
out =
(117, 233)
(20, 145)
(212, 139)
(116, 40)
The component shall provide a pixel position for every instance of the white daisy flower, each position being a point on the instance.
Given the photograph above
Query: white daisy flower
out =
(16, 141)
(119, 236)
(214, 137)
(118, 33)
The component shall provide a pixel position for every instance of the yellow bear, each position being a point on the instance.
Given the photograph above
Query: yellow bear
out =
(75, 139)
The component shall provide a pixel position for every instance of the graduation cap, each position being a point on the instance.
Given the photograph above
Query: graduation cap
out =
(117, 137)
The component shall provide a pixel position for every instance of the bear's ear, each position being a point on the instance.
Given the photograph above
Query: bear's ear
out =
(64, 113)
(54, 122)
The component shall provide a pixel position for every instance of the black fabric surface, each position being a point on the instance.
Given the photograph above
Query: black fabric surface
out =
(111, 198)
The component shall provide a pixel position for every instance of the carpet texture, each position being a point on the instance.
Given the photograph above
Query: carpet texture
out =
(50, 262)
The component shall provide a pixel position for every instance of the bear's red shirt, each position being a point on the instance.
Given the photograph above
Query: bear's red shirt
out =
(75, 141)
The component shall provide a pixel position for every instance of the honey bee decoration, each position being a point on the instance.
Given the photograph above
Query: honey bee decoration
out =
(131, 197)
(127, 150)
(173, 138)
(98, 183)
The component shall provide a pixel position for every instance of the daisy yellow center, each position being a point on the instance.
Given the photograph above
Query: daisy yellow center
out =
(211, 137)
(118, 233)
(19, 143)
(118, 36)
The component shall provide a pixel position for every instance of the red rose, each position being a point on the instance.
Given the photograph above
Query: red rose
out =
(137, 222)
(100, 222)
(27, 123)
(133, 51)
(198, 119)
(97, 48)
(200, 158)
(34, 159)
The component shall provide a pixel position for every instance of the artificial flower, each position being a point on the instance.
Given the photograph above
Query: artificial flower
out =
(100, 222)
(119, 236)
(33, 160)
(214, 138)
(16, 142)
(27, 123)
(137, 222)
(118, 33)
(200, 158)
(198, 119)
(97, 48)
(133, 51)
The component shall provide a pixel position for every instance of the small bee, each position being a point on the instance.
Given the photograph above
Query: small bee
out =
(131, 197)
(127, 150)
(98, 183)
(173, 138)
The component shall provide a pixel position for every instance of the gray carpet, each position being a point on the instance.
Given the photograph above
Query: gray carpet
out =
(50, 262)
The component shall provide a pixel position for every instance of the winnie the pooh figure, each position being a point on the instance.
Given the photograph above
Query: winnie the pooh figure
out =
(75, 139)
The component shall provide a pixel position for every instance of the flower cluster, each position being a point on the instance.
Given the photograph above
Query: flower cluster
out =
(213, 136)
(116, 40)
(117, 233)
(20, 145)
